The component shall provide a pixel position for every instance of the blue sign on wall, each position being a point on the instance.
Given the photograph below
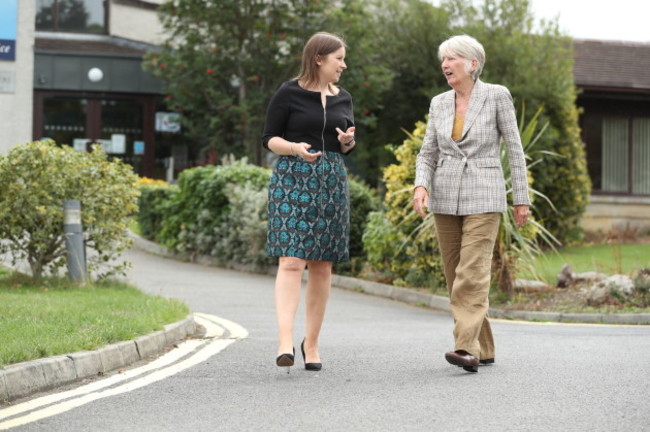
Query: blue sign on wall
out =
(8, 19)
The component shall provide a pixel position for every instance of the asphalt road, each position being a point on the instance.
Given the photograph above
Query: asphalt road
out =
(383, 370)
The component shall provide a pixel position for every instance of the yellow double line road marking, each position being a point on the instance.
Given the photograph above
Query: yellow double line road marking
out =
(219, 334)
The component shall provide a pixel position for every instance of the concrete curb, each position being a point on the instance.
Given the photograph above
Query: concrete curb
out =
(420, 298)
(156, 249)
(417, 298)
(23, 379)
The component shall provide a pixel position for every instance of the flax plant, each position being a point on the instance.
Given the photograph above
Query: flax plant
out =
(514, 248)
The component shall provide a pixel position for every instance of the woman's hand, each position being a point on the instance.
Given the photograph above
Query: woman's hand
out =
(521, 215)
(346, 139)
(301, 150)
(421, 201)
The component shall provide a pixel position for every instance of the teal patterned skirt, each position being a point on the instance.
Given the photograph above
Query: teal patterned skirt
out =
(309, 210)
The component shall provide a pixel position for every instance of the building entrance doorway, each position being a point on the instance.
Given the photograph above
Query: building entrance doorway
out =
(122, 125)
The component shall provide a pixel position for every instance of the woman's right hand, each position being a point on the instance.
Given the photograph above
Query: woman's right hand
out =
(301, 150)
(421, 201)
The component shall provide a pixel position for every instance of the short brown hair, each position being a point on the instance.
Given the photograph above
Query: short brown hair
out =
(320, 44)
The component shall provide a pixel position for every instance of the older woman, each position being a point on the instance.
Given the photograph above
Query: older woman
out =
(460, 180)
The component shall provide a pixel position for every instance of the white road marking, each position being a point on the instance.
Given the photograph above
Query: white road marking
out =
(163, 368)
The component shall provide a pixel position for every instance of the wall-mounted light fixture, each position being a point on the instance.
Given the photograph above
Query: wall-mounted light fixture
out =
(95, 74)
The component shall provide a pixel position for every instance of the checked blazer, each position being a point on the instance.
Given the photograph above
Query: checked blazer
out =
(465, 177)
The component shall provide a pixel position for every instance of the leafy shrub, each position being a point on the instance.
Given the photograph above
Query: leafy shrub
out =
(395, 242)
(363, 201)
(37, 177)
(153, 202)
(241, 237)
(515, 247)
(404, 248)
(202, 203)
(221, 211)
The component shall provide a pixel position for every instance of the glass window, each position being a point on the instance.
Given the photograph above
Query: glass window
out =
(64, 121)
(641, 159)
(121, 130)
(81, 16)
(623, 161)
(615, 154)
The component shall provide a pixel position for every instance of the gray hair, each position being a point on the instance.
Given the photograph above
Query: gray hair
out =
(466, 47)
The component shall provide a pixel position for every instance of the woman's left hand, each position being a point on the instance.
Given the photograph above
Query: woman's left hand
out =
(346, 138)
(521, 215)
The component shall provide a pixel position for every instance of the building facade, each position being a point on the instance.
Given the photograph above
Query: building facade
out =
(16, 72)
(78, 79)
(614, 83)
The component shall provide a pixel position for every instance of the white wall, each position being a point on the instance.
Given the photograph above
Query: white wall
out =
(136, 23)
(16, 108)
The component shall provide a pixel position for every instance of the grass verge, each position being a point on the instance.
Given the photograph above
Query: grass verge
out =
(55, 317)
(609, 259)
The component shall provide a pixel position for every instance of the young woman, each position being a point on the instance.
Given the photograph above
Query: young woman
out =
(311, 126)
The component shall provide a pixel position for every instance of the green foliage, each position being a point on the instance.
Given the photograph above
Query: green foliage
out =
(152, 204)
(519, 247)
(221, 211)
(241, 237)
(202, 203)
(37, 178)
(395, 242)
(531, 58)
(407, 38)
(363, 201)
(538, 68)
(55, 317)
(223, 60)
(403, 247)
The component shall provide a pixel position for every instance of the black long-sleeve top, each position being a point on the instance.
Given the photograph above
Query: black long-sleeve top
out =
(297, 115)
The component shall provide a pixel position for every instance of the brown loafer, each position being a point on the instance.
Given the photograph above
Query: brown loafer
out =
(463, 359)
(486, 361)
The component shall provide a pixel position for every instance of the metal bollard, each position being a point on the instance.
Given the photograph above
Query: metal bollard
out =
(74, 240)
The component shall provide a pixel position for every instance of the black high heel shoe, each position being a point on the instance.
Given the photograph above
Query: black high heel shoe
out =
(309, 366)
(286, 360)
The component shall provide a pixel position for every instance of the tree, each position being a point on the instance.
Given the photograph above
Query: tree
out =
(408, 40)
(223, 60)
(37, 178)
(531, 58)
(536, 64)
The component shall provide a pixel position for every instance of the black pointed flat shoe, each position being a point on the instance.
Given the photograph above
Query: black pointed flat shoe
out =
(309, 366)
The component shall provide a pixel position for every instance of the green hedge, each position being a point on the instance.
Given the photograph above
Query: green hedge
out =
(221, 211)
(153, 201)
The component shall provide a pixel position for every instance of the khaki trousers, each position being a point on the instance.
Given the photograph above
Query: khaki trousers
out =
(466, 244)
